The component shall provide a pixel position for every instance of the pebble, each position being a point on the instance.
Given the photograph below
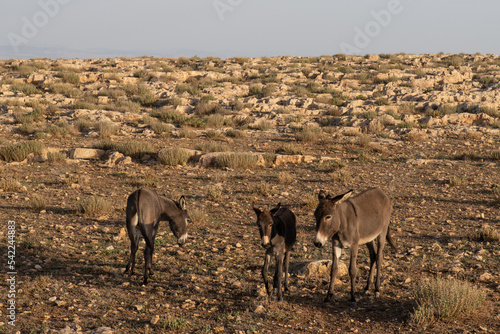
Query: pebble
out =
(154, 320)
(260, 309)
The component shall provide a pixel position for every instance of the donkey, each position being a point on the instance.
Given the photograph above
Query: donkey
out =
(350, 222)
(278, 234)
(145, 209)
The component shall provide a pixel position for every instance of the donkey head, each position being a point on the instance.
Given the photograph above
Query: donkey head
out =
(327, 218)
(179, 222)
(265, 223)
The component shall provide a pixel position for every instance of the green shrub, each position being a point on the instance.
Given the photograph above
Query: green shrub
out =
(407, 108)
(26, 88)
(255, 90)
(441, 299)
(169, 116)
(235, 133)
(19, 152)
(70, 78)
(161, 129)
(64, 89)
(382, 101)
(454, 60)
(107, 129)
(133, 148)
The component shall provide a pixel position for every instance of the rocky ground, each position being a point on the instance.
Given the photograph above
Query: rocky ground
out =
(426, 129)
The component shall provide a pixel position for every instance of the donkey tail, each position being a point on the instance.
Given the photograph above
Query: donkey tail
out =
(389, 238)
(140, 223)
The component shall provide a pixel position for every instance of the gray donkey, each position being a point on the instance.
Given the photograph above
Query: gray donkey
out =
(350, 222)
(145, 209)
(278, 234)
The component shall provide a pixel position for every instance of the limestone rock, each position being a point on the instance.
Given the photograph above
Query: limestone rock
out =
(318, 269)
(86, 153)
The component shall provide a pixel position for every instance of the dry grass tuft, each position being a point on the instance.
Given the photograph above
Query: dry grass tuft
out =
(237, 160)
(174, 156)
(56, 157)
(19, 152)
(441, 299)
(38, 203)
(93, 206)
(10, 184)
(133, 148)
(487, 233)
(285, 178)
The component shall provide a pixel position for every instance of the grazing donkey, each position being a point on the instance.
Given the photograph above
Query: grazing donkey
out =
(350, 222)
(145, 209)
(278, 234)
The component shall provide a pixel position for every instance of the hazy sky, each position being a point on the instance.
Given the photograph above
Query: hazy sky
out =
(225, 28)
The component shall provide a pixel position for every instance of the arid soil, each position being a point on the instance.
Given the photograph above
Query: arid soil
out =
(423, 128)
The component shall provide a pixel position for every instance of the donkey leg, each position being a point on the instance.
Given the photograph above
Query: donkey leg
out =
(150, 263)
(371, 250)
(353, 270)
(337, 251)
(287, 265)
(147, 251)
(278, 275)
(134, 245)
(380, 258)
(265, 269)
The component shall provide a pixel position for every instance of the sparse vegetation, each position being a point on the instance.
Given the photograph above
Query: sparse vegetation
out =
(93, 206)
(174, 156)
(132, 148)
(442, 299)
(434, 150)
(19, 152)
(237, 160)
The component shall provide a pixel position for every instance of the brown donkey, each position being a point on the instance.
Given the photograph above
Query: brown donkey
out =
(278, 234)
(350, 222)
(145, 209)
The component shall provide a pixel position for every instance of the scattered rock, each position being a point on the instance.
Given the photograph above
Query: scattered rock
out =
(486, 277)
(86, 153)
(260, 309)
(154, 320)
(318, 269)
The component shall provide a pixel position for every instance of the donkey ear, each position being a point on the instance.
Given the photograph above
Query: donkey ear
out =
(321, 195)
(256, 209)
(182, 203)
(275, 210)
(341, 198)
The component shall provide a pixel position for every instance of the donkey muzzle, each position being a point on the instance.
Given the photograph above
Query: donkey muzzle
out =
(319, 240)
(182, 240)
(266, 242)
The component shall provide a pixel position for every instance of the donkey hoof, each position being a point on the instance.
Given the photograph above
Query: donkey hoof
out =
(377, 294)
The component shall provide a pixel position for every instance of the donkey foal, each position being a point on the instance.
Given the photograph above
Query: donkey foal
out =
(278, 234)
(145, 209)
(350, 222)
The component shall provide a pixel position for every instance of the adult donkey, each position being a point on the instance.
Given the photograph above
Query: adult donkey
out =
(277, 228)
(145, 209)
(350, 222)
